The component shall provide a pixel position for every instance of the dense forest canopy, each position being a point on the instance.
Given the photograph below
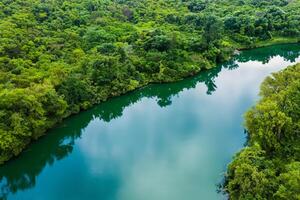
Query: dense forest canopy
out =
(58, 57)
(269, 168)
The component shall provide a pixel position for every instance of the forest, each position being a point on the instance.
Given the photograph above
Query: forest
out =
(59, 57)
(269, 167)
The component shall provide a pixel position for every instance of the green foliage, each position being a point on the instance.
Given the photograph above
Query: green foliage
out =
(196, 6)
(270, 167)
(59, 57)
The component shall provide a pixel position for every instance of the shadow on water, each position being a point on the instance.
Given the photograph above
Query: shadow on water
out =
(22, 172)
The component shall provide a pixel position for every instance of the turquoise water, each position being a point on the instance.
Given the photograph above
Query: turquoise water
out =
(169, 141)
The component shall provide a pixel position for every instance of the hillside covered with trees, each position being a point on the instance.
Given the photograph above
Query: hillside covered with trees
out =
(58, 57)
(269, 167)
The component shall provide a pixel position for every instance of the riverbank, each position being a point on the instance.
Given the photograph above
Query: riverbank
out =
(130, 89)
(107, 146)
(272, 42)
(58, 58)
(269, 167)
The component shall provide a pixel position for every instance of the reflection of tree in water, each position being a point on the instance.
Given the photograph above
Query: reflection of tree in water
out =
(21, 173)
(231, 65)
(288, 52)
(162, 92)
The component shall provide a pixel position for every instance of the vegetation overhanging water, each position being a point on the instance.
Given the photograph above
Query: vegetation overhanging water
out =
(60, 57)
(126, 148)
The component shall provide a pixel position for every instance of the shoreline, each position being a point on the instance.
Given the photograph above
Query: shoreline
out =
(258, 45)
(272, 42)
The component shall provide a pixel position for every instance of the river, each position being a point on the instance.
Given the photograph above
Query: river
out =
(162, 142)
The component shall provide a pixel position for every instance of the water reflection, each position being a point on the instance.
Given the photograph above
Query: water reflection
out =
(21, 173)
(105, 152)
(288, 52)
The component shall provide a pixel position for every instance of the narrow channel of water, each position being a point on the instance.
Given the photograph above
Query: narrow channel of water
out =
(162, 142)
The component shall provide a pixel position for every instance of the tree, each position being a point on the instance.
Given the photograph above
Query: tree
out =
(213, 29)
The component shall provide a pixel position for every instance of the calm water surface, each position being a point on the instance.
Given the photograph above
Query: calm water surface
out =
(163, 142)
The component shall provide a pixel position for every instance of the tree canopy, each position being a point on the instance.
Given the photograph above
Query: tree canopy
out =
(269, 167)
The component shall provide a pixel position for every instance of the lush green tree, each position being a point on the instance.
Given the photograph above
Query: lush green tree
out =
(269, 167)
